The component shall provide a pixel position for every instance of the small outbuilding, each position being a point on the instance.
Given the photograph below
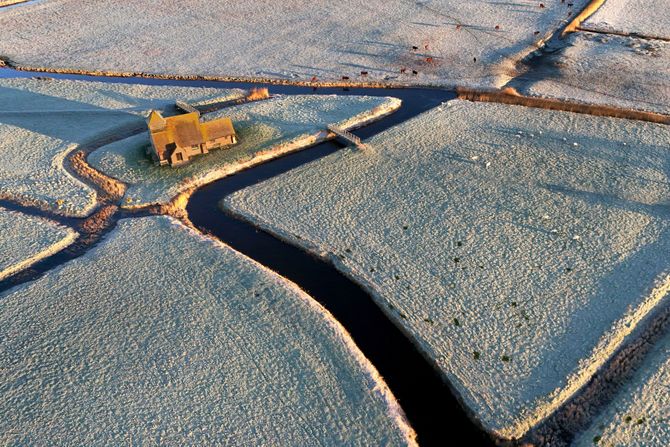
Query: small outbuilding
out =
(175, 139)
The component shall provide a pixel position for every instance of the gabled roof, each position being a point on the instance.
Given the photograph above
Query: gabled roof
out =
(185, 129)
(222, 127)
(160, 140)
(156, 121)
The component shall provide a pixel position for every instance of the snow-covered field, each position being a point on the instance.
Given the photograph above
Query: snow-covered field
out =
(640, 415)
(266, 129)
(605, 69)
(161, 336)
(7, 3)
(518, 247)
(26, 240)
(470, 43)
(41, 121)
(644, 17)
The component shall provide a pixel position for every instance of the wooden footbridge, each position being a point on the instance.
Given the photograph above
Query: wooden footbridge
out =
(346, 136)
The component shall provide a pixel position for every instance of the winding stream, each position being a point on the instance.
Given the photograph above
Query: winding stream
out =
(431, 408)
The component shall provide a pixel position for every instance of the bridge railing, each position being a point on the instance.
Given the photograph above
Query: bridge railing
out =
(345, 134)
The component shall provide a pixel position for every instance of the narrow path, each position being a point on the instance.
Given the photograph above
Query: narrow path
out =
(6, 63)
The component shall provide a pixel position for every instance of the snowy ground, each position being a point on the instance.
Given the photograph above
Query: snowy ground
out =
(265, 129)
(7, 3)
(644, 17)
(640, 414)
(516, 246)
(41, 121)
(605, 69)
(26, 239)
(161, 336)
(293, 40)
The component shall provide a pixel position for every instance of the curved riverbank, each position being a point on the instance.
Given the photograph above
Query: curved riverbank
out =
(426, 398)
(431, 407)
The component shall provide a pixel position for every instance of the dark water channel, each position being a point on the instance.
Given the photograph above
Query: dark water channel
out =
(430, 406)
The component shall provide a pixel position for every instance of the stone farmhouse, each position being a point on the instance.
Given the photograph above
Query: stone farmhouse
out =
(175, 139)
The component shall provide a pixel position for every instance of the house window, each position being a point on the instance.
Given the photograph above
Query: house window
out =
(180, 157)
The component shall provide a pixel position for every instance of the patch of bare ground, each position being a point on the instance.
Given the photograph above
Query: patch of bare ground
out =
(95, 225)
(509, 95)
(176, 207)
(90, 230)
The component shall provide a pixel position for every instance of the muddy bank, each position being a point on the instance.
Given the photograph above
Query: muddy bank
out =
(587, 12)
(345, 83)
(111, 187)
(511, 96)
(591, 29)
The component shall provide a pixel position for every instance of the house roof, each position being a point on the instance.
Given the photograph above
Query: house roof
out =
(222, 127)
(161, 140)
(185, 130)
(156, 121)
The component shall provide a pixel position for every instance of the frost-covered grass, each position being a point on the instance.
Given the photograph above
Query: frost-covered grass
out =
(161, 336)
(25, 240)
(265, 129)
(640, 414)
(7, 3)
(516, 246)
(41, 121)
(292, 39)
(606, 69)
(645, 17)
